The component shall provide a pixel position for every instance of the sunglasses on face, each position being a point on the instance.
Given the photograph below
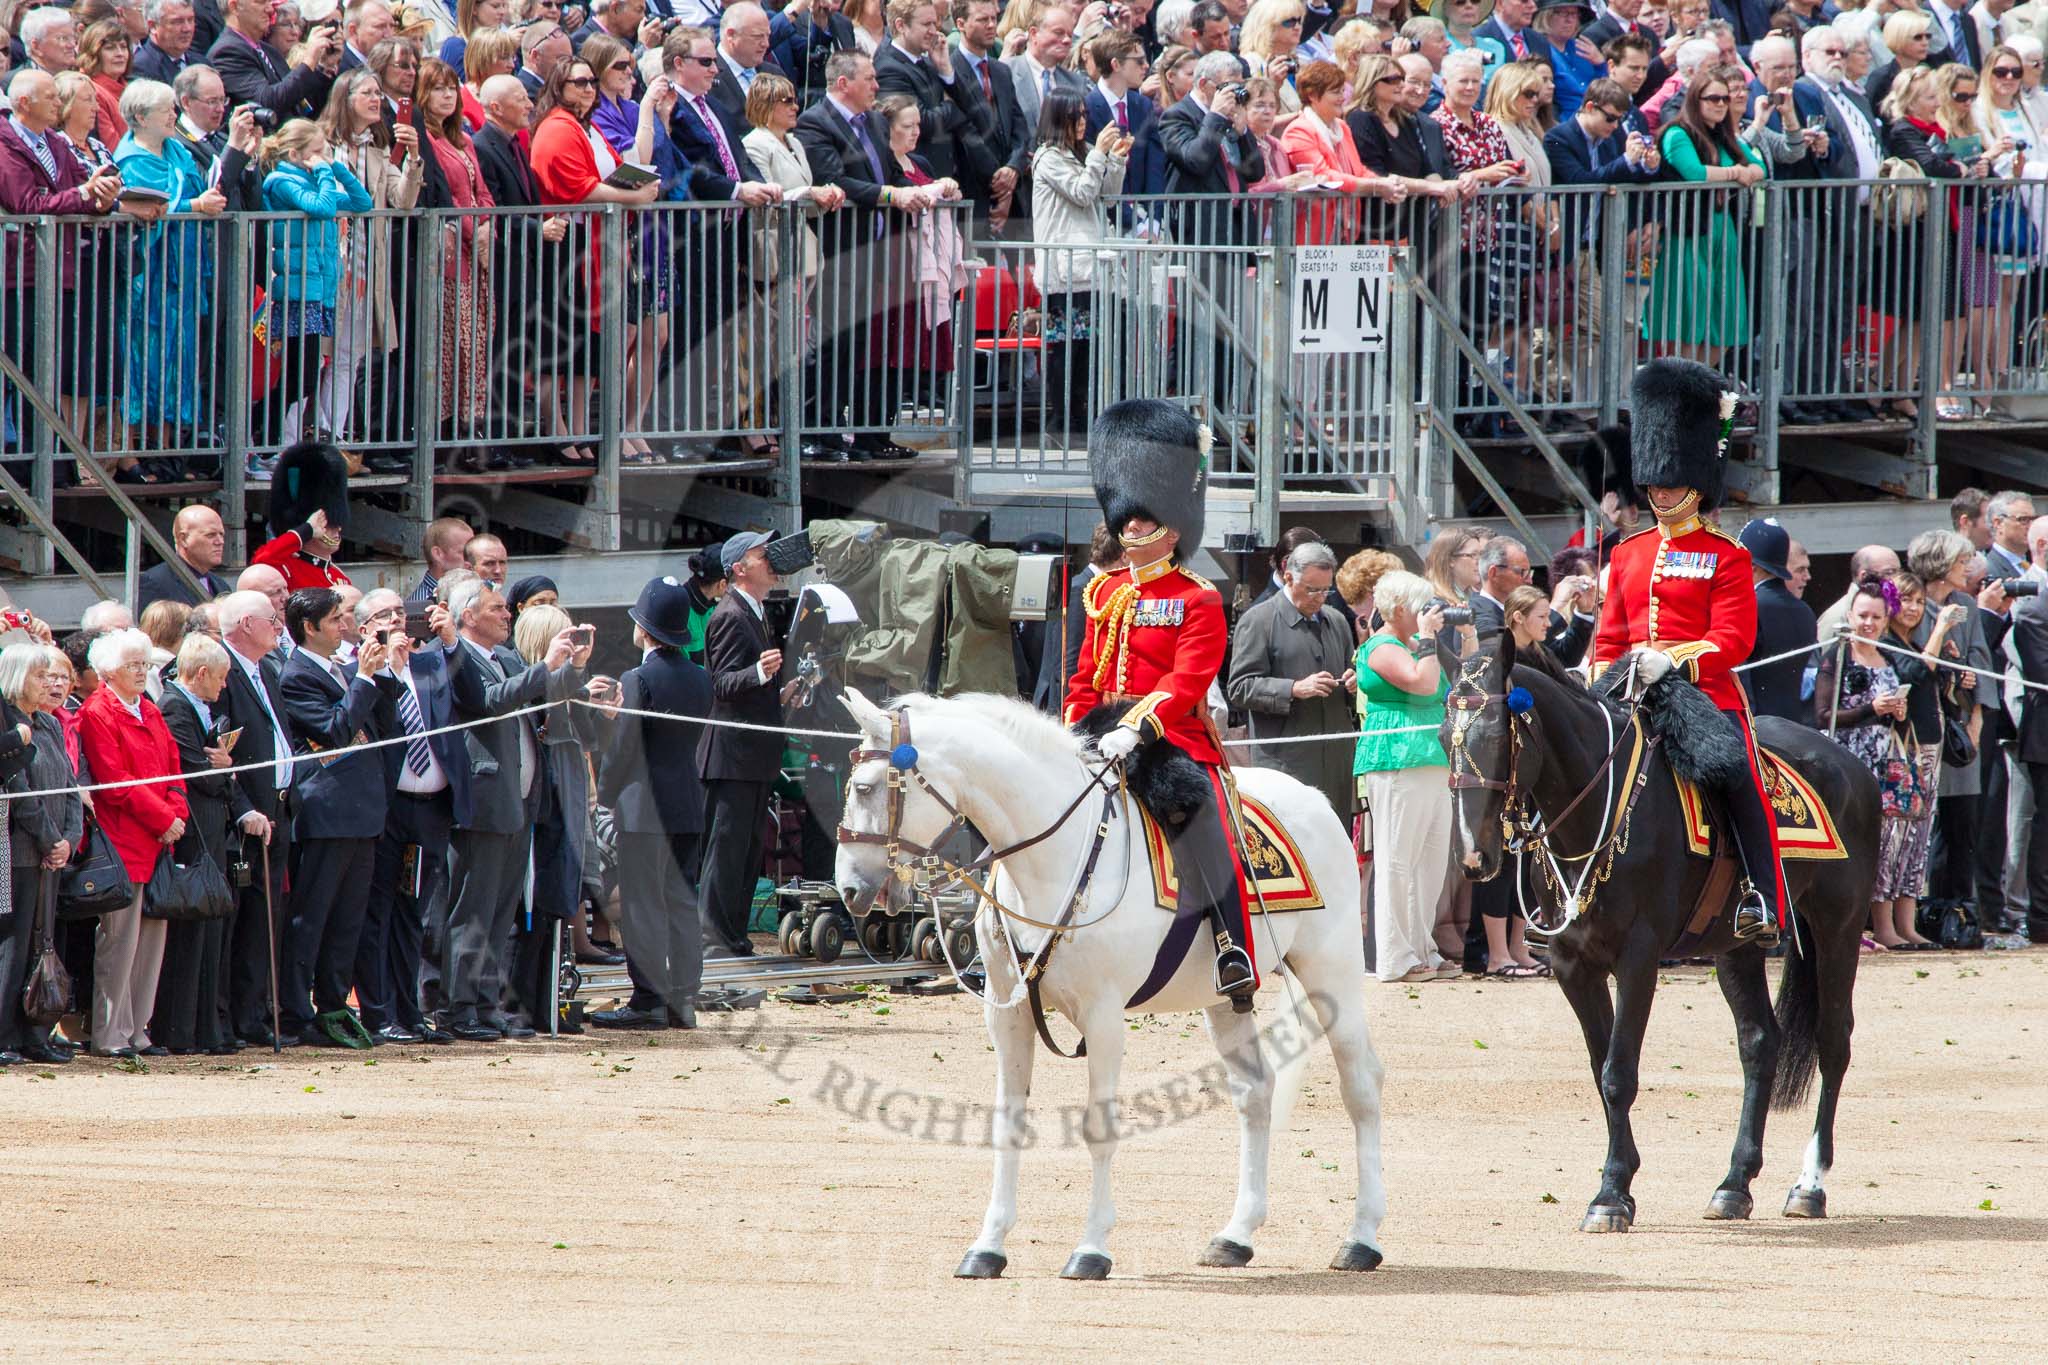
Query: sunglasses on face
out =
(1290, 23)
(620, 66)
(708, 63)
(2006, 73)
(1713, 99)
(583, 81)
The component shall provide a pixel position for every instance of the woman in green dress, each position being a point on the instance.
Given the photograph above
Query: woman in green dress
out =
(1403, 777)
(1699, 296)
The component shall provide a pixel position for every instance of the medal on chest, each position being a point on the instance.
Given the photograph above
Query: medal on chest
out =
(1159, 611)
(1699, 564)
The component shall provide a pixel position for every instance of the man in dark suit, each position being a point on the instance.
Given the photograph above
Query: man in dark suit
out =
(340, 802)
(169, 49)
(739, 766)
(1211, 150)
(495, 793)
(364, 24)
(441, 546)
(1834, 221)
(1956, 38)
(845, 147)
(1419, 96)
(1751, 20)
(742, 55)
(1589, 148)
(2030, 643)
(200, 539)
(411, 857)
(542, 47)
(254, 73)
(1509, 25)
(1503, 567)
(1116, 99)
(250, 628)
(1622, 20)
(649, 782)
(524, 247)
(1783, 622)
(721, 170)
(828, 32)
(996, 146)
(914, 62)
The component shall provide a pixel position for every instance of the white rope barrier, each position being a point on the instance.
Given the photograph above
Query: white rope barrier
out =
(1346, 736)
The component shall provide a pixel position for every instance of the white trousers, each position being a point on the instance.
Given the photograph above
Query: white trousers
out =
(1411, 854)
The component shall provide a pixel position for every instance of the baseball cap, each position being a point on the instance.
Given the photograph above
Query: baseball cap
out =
(736, 548)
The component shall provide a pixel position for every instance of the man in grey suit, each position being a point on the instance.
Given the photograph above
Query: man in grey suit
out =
(496, 795)
(1042, 65)
(1290, 672)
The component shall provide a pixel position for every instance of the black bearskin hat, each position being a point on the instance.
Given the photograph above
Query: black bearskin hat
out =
(1150, 458)
(1604, 466)
(308, 475)
(1680, 412)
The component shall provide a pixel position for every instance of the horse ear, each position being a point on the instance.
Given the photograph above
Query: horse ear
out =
(873, 722)
(1507, 658)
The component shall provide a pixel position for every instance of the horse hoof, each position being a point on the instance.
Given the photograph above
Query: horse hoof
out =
(1356, 1256)
(1729, 1205)
(1607, 1218)
(1224, 1254)
(1086, 1265)
(1806, 1204)
(982, 1265)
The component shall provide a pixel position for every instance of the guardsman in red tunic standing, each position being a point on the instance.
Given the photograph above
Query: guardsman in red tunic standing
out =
(1680, 595)
(308, 513)
(1156, 639)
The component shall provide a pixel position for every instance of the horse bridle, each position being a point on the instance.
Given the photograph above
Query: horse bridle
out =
(926, 867)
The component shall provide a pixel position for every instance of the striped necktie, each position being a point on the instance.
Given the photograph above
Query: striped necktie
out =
(418, 758)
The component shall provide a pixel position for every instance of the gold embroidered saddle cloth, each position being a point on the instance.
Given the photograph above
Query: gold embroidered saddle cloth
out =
(1805, 829)
(1269, 856)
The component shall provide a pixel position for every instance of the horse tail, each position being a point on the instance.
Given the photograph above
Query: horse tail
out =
(1798, 1019)
(1288, 1055)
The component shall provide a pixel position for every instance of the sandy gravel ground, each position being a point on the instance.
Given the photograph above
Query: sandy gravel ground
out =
(726, 1194)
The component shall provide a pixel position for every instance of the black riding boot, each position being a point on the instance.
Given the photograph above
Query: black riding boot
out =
(1208, 878)
(1757, 914)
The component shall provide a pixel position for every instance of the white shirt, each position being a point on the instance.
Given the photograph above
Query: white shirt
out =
(759, 615)
(282, 751)
(1861, 137)
(435, 778)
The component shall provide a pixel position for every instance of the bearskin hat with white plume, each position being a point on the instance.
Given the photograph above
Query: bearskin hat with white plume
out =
(1681, 414)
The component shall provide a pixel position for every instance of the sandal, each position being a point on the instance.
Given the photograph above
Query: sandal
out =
(1871, 945)
(1951, 410)
(1416, 975)
(1513, 971)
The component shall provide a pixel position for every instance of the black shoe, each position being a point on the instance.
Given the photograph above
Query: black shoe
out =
(1793, 414)
(973, 980)
(223, 1049)
(63, 1048)
(628, 1017)
(395, 1033)
(683, 1015)
(45, 1054)
(597, 959)
(264, 1040)
(513, 1026)
(1234, 978)
(153, 1050)
(8, 1057)
(429, 1034)
(473, 1031)
(1754, 922)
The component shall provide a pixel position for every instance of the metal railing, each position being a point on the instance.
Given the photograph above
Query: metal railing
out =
(610, 343)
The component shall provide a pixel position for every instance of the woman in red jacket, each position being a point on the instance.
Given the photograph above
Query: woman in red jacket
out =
(125, 737)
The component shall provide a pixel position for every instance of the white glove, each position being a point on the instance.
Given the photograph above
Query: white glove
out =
(1651, 666)
(1118, 744)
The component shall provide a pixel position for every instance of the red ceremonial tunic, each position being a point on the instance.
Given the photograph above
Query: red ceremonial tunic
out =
(300, 569)
(1688, 596)
(1155, 637)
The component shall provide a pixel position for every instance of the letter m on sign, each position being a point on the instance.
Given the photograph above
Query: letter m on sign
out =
(1314, 314)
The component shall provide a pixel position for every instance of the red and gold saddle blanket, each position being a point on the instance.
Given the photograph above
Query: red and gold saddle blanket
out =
(1806, 832)
(1269, 854)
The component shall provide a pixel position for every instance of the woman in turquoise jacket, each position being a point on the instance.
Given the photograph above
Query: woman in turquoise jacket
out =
(305, 262)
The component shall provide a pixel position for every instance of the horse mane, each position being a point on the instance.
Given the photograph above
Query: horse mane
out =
(1029, 728)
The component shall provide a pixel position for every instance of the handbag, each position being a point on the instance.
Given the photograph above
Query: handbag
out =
(94, 883)
(1957, 749)
(1901, 200)
(187, 892)
(1900, 795)
(46, 995)
(2005, 229)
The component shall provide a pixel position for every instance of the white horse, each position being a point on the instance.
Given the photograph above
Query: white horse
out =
(1012, 772)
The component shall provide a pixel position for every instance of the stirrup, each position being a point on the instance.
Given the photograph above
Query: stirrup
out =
(1234, 977)
(1754, 922)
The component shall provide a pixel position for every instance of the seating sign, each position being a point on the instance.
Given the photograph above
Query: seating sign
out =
(1340, 298)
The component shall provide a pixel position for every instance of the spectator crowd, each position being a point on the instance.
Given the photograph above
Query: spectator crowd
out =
(270, 808)
(882, 127)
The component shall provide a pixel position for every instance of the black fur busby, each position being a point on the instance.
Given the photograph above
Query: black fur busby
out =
(1680, 410)
(1169, 783)
(1150, 458)
(308, 475)
(1604, 465)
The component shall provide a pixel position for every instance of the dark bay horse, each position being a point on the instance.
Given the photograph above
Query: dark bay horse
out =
(1548, 757)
